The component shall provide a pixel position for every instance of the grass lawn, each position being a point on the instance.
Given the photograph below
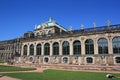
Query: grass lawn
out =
(61, 75)
(4, 68)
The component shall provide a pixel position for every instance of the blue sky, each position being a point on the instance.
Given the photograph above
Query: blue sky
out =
(20, 16)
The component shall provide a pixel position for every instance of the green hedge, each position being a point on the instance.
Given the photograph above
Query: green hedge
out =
(4, 68)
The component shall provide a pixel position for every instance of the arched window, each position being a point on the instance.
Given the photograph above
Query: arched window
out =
(56, 48)
(25, 50)
(47, 49)
(117, 59)
(102, 46)
(76, 47)
(38, 34)
(89, 60)
(89, 46)
(65, 48)
(49, 32)
(38, 49)
(31, 49)
(116, 45)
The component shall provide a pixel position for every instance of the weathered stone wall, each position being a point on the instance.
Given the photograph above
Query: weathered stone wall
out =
(81, 59)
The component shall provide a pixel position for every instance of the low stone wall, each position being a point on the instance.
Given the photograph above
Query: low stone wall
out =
(73, 67)
(82, 67)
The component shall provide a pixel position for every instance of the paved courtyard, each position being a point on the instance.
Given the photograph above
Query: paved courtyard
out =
(8, 78)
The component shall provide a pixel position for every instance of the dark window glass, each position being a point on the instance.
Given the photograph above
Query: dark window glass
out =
(89, 46)
(46, 60)
(55, 48)
(31, 49)
(65, 60)
(89, 60)
(76, 48)
(49, 32)
(102, 46)
(65, 48)
(116, 45)
(25, 50)
(47, 49)
(117, 59)
(38, 49)
(38, 34)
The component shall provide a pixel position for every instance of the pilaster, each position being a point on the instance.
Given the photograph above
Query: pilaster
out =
(95, 46)
(34, 49)
(110, 50)
(71, 48)
(28, 50)
(42, 48)
(60, 48)
(51, 48)
(22, 51)
(83, 46)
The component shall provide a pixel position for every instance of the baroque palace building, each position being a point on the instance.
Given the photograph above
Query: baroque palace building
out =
(50, 43)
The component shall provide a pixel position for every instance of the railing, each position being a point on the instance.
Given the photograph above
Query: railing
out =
(103, 28)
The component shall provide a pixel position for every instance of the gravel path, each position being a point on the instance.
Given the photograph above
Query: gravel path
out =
(11, 78)
(8, 78)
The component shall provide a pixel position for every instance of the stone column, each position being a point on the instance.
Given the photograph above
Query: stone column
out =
(71, 47)
(51, 49)
(28, 50)
(83, 51)
(34, 49)
(22, 51)
(95, 46)
(82, 47)
(60, 48)
(42, 48)
(35, 59)
(110, 49)
(19, 48)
